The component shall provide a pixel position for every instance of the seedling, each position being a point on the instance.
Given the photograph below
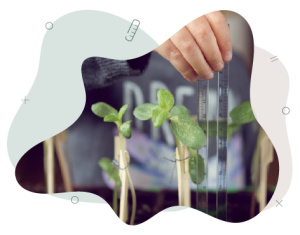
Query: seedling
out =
(110, 114)
(243, 114)
(185, 130)
(110, 168)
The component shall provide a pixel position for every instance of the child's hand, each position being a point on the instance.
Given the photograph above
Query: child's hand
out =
(200, 47)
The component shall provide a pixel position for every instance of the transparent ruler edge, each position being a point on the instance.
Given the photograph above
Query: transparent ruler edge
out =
(202, 115)
(222, 142)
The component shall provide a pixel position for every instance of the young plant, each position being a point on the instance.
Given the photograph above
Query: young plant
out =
(107, 165)
(241, 115)
(110, 114)
(185, 130)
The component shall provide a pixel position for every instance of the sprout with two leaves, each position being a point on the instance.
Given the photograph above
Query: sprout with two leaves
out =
(185, 130)
(110, 114)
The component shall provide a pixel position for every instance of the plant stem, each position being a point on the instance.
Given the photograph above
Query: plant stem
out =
(129, 181)
(115, 199)
(181, 165)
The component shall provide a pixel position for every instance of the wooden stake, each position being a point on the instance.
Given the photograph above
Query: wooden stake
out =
(49, 164)
(266, 157)
(186, 184)
(123, 216)
(124, 187)
(184, 192)
(180, 179)
(64, 167)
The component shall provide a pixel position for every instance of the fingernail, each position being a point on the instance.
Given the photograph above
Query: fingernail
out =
(209, 75)
(228, 56)
(218, 67)
(194, 78)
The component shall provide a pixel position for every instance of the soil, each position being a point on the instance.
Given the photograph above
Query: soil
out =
(238, 204)
(151, 204)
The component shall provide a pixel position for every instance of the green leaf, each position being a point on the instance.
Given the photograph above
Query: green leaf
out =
(102, 109)
(122, 111)
(159, 116)
(187, 131)
(126, 130)
(212, 127)
(179, 109)
(144, 111)
(111, 118)
(223, 127)
(115, 177)
(242, 113)
(194, 160)
(106, 165)
(165, 99)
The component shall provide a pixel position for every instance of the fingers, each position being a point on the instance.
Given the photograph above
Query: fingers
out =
(205, 39)
(190, 52)
(220, 29)
(170, 52)
(200, 48)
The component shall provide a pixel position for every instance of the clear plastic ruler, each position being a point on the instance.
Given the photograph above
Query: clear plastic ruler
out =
(218, 144)
(222, 141)
(202, 118)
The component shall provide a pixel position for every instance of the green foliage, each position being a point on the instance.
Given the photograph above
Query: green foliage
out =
(187, 131)
(179, 109)
(184, 128)
(165, 99)
(111, 118)
(106, 165)
(110, 114)
(193, 160)
(125, 129)
(212, 128)
(122, 111)
(242, 113)
(102, 109)
(144, 111)
(159, 115)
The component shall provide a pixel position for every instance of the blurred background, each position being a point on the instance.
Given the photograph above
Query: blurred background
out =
(84, 170)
